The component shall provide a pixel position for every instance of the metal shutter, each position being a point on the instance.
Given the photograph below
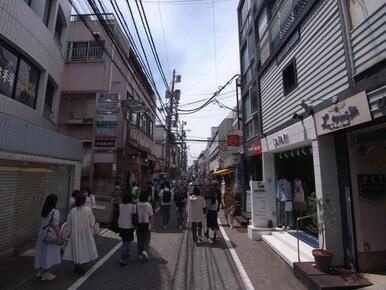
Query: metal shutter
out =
(23, 189)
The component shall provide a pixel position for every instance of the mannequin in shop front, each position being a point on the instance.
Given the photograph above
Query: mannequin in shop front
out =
(284, 203)
(299, 201)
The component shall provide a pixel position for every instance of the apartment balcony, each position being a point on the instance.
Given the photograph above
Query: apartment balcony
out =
(286, 16)
(85, 53)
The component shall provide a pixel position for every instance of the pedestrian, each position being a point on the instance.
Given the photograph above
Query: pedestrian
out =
(126, 227)
(81, 247)
(211, 214)
(72, 198)
(196, 210)
(135, 192)
(229, 206)
(145, 224)
(166, 201)
(90, 199)
(180, 201)
(48, 254)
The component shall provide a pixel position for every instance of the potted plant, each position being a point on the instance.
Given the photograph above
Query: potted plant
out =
(323, 258)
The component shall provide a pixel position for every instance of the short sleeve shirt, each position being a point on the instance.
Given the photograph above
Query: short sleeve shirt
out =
(144, 211)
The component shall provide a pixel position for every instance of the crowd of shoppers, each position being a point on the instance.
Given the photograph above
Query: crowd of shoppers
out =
(133, 216)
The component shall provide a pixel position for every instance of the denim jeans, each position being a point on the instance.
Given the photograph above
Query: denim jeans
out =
(282, 214)
(196, 228)
(125, 250)
(165, 209)
(143, 240)
(180, 215)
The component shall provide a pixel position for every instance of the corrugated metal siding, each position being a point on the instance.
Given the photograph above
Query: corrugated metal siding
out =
(369, 41)
(374, 96)
(19, 136)
(320, 63)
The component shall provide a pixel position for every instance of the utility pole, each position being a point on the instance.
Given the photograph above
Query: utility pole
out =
(172, 111)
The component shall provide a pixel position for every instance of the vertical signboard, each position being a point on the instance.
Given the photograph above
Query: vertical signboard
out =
(106, 121)
(259, 204)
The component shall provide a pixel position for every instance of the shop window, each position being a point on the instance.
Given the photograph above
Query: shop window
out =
(8, 64)
(47, 12)
(50, 93)
(290, 80)
(361, 10)
(27, 83)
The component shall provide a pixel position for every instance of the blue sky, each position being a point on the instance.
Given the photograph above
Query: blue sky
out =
(190, 32)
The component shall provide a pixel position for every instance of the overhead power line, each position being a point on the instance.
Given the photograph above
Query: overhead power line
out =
(195, 110)
(108, 54)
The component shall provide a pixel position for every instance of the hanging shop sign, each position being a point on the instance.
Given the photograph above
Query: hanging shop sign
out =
(108, 107)
(254, 148)
(104, 143)
(108, 97)
(350, 112)
(101, 119)
(233, 140)
(106, 132)
(281, 140)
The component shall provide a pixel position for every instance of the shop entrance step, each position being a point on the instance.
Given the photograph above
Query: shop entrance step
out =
(285, 245)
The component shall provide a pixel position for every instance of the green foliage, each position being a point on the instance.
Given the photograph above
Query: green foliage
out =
(327, 213)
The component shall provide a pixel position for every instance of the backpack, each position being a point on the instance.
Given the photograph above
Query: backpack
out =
(167, 196)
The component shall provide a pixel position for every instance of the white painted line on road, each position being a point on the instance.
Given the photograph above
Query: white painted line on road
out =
(244, 276)
(82, 279)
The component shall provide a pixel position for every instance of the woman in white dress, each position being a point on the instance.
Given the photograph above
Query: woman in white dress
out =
(46, 254)
(81, 245)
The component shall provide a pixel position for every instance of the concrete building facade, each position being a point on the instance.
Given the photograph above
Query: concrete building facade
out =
(35, 160)
(305, 65)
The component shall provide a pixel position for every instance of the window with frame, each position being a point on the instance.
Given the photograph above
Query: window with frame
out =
(8, 66)
(247, 108)
(81, 109)
(27, 83)
(290, 80)
(60, 24)
(19, 78)
(244, 59)
(50, 94)
(47, 12)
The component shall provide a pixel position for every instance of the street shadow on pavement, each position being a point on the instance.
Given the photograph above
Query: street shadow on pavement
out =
(18, 272)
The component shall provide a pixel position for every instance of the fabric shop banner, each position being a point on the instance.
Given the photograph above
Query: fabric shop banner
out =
(349, 112)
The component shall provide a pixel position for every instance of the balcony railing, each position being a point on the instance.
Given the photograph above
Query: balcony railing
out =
(91, 17)
(285, 15)
(84, 53)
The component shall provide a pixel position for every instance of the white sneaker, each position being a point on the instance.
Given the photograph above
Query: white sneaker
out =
(146, 255)
(48, 276)
(39, 273)
(231, 226)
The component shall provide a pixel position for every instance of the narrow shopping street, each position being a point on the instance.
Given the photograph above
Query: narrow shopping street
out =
(175, 264)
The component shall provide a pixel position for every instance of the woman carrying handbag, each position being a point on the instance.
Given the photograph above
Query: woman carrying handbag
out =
(126, 222)
(48, 243)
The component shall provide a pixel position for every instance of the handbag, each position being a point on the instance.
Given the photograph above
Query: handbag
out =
(49, 233)
(134, 216)
(96, 229)
(114, 223)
